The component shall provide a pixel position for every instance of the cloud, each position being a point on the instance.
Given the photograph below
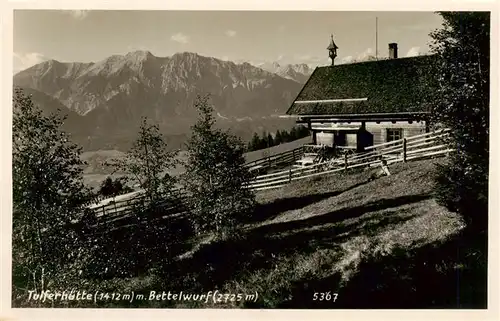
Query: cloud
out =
(307, 58)
(180, 38)
(77, 14)
(230, 33)
(132, 48)
(281, 57)
(414, 51)
(347, 60)
(24, 61)
(366, 55)
(310, 60)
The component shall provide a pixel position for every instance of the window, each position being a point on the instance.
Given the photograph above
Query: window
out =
(394, 134)
(351, 139)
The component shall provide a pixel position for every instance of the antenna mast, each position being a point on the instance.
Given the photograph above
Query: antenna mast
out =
(376, 38)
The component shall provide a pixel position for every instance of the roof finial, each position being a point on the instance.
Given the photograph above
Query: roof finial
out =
(332, 48)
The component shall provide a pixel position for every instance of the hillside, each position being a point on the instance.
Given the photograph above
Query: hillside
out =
(281, 148)
(315, 236)
(113, 94)
(345, 233)
(74, 123)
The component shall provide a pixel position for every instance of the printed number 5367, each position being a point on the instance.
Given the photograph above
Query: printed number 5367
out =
(325, 296)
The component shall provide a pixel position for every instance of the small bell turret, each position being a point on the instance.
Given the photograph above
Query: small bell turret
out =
(332, 50)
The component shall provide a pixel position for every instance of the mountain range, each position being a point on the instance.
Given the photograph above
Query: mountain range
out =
(105, 100)
(298, 72)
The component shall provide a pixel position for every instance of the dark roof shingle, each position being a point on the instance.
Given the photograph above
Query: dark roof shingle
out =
(391, 86)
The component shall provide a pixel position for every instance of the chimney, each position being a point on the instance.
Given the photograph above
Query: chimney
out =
(393, 50)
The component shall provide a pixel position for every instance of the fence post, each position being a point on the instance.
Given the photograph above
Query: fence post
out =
(404, 150)
(345, 161)
(103, 211)
(293, 153)
(290, 175)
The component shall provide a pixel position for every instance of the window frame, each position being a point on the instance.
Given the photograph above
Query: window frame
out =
(391, 134)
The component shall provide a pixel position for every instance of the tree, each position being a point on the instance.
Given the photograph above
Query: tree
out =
(293, 134)
(148, 162)
(263, 141)
(107, 187)
(255, 142)
(303, 131)
(215, 176)
(270, 140)
(110, 187)
(285, 136)
(48, 194)
(278, 139)
(461, 103)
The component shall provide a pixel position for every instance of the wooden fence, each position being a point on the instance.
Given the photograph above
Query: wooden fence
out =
(114, 210)
(411, 148)
(406, 149)
(171, 204)
(281, 159)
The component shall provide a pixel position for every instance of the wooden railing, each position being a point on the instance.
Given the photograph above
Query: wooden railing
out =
(411, 148)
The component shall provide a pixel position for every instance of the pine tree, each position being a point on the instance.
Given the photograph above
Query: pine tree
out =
(278, 139)
(255, 142)
(285, 136)
(293, 134)
(263, 141)
(270, 140)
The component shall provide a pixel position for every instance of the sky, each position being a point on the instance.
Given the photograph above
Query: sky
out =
(253, 36)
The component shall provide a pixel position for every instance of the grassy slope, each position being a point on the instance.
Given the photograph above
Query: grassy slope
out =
(258, 154)
(381, 243)
(333, 225)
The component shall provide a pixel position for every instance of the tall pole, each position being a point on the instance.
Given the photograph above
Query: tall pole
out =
(376, 38)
